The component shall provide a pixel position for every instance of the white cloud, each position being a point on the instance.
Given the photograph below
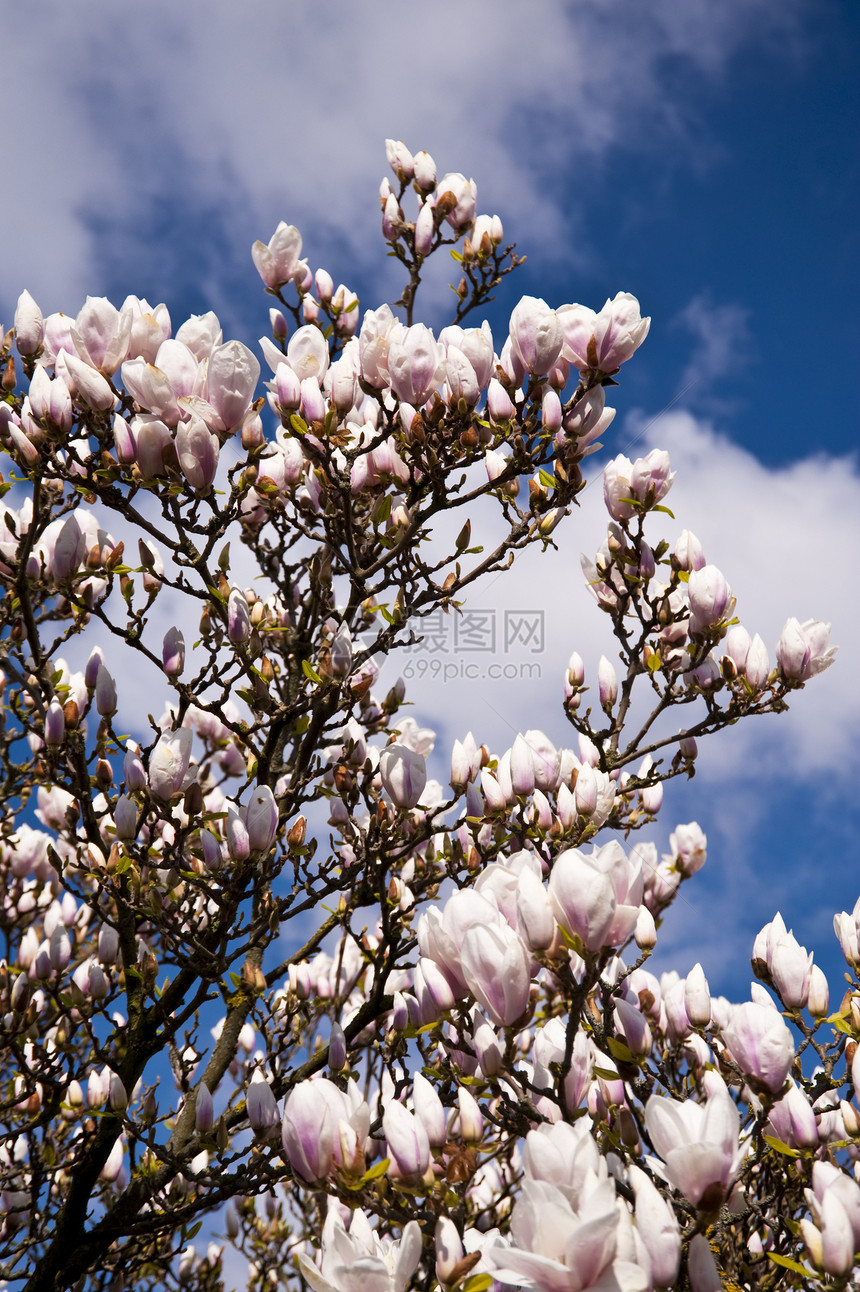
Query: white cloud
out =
(721, 342)
(780, 536)
(771, 793)
(160, 121)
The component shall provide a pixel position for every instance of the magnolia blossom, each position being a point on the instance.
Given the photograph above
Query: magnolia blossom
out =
(322, 1126)
(441, 933)
(760, 1042)
(835, 1203)
(804, 650)
(711, 599)
(536, 335)
(50, 400)
(645, 481)
(561, 1247)
(458, 196)
(497, 968)
(404, 775)
(278, 260)
(416, 363)
(168, 763)
(358, 1260)
(406, 1140)
(597, 897)
(261, 819)
(698, 1144)
(29, 325)
(101, 334)
(658, 1228)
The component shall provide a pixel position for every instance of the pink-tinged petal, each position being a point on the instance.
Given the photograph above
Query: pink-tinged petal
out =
(497, 969)
(232, 380)
(151, 389)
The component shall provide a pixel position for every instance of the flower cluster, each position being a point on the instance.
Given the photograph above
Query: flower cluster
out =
(268, 962)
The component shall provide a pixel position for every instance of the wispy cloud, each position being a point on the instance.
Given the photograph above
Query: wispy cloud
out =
(143, 132)
(773, 532)
(721, 338)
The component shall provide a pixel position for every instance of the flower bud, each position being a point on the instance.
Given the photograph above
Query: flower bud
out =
(711, 599)
(607, 682)
(406, 1141)
(173, 652)
(133, 770)
(818, 1001)
(168, 763)
(118, 1097)
(105, 693)
(688, 552)
(288, 388)
(646, 930)
(522, 768)
(697, 997)
(340, 653)
(204, 1109)
(449, 1249)
(108, 944)
(551, 411)
(399, 159)
(55, 724)
(425, 227)
(424, 171)
(337, 1048)
(236, 833)
(804, 650)
(238, 618)
(404, 775)
(29, 325)
(471, 1119)
(261, 1105)
(261, 819)
(499, 406)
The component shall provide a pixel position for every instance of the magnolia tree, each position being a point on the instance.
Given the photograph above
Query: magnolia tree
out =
(265, 985)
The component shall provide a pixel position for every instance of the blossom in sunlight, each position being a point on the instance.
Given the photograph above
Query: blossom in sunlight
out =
(357, 1259)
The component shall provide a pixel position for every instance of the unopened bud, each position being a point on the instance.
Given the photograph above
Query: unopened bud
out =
(296, 833)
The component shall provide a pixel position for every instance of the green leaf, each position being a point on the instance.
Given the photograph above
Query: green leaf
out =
(659, 507)
(619, 1050)
(382, 510)
(123, 864)
(478, 1283)
(547, 478)
(779, 1147)
(309, 671)
(789, 1264)
(456, 255)
(299, 426)
(377, 1170)
(606, 1073)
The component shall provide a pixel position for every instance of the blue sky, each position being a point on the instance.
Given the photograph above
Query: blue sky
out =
(701, 156)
